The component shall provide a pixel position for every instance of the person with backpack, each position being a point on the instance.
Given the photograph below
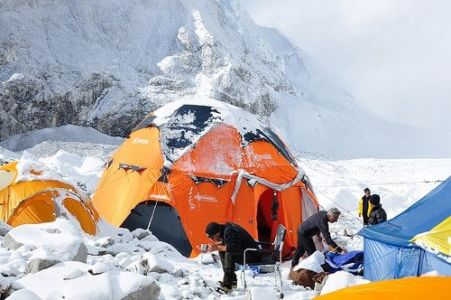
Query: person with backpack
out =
(377, 214)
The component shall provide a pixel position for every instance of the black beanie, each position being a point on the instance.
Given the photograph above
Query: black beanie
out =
(366, 190)
(212, 228)
(375, 199)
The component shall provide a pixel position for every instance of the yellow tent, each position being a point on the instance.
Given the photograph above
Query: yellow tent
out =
(29, 195)
(438, 238)
(399, 289)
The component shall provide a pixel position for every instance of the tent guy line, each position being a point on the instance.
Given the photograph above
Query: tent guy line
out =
(381, 183)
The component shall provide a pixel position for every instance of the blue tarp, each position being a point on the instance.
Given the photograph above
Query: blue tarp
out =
(351, 261)
(387, 248)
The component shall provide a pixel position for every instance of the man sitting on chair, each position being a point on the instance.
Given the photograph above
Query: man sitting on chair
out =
(230, 240)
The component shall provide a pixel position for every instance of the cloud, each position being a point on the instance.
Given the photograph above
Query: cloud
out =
(393, 56)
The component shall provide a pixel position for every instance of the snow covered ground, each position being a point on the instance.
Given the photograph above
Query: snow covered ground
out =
(120, 264)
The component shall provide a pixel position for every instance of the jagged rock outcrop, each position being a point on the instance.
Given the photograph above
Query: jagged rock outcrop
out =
(106, 65)
(194, 48)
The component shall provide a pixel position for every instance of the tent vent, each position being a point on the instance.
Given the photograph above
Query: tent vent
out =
(131, 167)
(218, 182)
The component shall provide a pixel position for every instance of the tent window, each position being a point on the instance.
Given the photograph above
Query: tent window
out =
(308, 206)
(186, 124)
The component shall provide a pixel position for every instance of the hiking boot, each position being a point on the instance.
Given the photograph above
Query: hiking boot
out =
(222, 290)
(232, 286)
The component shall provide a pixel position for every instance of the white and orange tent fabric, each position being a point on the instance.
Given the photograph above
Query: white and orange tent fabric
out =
(31, 193)
(190, 163)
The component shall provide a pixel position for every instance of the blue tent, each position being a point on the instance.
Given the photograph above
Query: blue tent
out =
(388, 251)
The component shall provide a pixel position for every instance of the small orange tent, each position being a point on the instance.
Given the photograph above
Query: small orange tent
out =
(188, 164)
(29, 195)
(399, 289)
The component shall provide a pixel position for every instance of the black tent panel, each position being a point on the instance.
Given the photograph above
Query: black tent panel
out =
(166, 224)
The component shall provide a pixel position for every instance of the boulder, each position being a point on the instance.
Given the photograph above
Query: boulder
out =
(10, 243)
(38, 264)
(150, 291)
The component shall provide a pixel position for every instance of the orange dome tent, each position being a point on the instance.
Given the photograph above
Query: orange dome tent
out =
(188, 164)
(30, 193)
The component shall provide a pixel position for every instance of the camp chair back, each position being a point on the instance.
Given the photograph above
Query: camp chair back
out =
(274, 251)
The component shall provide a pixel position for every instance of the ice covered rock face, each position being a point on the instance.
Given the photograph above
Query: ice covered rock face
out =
(107, 65)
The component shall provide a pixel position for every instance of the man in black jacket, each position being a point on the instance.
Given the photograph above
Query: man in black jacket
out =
(315, 224)
(377, 214)
(231, 240)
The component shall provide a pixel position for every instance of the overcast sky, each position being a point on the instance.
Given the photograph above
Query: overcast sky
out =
(393, 56)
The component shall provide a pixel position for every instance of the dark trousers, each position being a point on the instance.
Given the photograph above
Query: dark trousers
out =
(305, 244)
(365, 218)
(228, 260)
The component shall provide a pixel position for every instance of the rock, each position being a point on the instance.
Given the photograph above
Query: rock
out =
(11, 243)
(104, 242)
(23, 294)
(82, 253)
(99, 268)
(4, 228)
(148, 292)
(75, 273)
(140, 233)
(38, 264)
(58, 240)
(5, 283)
(146, 245)
(155, 264)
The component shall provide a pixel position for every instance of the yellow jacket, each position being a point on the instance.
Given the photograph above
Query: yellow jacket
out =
(360, 209)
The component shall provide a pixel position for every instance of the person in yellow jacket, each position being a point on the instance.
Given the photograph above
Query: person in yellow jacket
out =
(365, 206)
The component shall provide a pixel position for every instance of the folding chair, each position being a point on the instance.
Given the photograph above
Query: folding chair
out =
(274, 252)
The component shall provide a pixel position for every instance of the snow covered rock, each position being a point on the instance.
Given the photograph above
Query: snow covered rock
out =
(312, 263)
(5, 283)
(99, 268)
(53, 283)
(140, 233)
(104, 242)
(4, 228)
(150, 263)
(260, 293)
(38, 264)
(23, 294)
(341, 280)
(11, 243)
(58, 240)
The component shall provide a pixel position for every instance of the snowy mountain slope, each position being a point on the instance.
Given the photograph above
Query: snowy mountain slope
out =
(67, 133)
(107, 64)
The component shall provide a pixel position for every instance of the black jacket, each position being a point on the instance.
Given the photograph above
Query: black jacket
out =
(377, 215)
(317, 223)
(236, 238)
